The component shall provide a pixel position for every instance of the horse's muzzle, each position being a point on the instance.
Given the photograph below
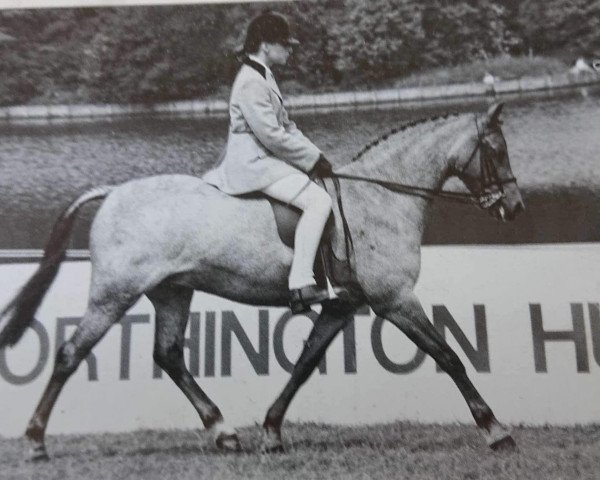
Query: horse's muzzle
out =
(509, 205)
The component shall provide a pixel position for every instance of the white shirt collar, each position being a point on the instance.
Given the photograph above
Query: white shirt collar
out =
(260, 62)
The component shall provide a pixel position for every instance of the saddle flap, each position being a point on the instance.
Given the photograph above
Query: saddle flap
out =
(339, 270)
(328, 265)
(287, 218)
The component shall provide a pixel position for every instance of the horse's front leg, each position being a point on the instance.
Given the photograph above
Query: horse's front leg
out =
(327, 326)
(408, 315)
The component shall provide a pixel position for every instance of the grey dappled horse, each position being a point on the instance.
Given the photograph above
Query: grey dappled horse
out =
(166, 236)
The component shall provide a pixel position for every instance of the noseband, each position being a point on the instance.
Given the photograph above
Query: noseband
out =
(488, 175)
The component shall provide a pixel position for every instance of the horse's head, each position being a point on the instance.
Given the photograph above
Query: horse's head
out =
(486, 171)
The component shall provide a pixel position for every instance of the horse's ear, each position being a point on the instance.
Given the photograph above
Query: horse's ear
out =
(493, 114)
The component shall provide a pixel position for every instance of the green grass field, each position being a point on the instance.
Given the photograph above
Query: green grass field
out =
(398, 450)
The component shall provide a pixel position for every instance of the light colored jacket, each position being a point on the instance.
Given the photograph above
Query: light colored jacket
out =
(264, 145)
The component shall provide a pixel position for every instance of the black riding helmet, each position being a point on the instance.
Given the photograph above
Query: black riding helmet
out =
(268, 27)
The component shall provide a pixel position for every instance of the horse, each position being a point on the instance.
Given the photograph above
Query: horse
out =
(165, 236)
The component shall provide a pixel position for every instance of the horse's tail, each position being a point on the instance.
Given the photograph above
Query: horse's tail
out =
(18, 314)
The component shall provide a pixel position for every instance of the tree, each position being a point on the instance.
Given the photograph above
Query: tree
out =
(150, 54)
(569, 27)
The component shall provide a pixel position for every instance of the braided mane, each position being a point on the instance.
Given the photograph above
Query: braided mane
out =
(399, 129)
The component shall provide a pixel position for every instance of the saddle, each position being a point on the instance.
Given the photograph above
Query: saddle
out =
(339, 270)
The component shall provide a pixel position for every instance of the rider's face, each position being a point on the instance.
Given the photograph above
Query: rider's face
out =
(277, 54)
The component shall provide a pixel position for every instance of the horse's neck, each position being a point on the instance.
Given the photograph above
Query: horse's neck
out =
(418, 157)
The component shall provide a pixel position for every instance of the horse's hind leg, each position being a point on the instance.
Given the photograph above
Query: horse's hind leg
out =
(172, 304)
(327, 326)
(100, 315)
(409, 316)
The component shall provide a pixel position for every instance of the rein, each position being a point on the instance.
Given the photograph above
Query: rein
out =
(489, 177)
(414, 190)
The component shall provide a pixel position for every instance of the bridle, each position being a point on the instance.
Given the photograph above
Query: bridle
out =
(488, 174)
(484, 197)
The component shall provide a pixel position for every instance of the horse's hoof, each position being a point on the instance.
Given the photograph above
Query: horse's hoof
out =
(229, 442)
(504, 444)
(271, 440)
(272, 449)
(38, 454)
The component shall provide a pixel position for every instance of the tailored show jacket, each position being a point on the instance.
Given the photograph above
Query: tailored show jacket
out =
(263, 145)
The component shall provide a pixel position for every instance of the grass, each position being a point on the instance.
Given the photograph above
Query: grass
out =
(398, 450)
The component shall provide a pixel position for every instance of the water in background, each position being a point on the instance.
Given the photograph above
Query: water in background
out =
(553, 141)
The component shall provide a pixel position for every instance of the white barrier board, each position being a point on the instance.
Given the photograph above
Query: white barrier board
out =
(524, 319)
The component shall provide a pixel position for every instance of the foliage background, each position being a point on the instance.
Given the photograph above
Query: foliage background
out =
(158, 53)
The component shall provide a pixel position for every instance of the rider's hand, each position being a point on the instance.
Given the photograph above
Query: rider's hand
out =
(322, 168)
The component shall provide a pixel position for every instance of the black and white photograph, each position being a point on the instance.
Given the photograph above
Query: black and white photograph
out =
(305, 239)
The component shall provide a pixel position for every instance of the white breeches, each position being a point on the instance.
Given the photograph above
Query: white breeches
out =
(315, 203)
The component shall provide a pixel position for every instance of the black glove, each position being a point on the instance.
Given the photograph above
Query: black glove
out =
(322, 168)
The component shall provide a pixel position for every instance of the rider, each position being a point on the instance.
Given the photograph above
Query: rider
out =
(266, 151)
